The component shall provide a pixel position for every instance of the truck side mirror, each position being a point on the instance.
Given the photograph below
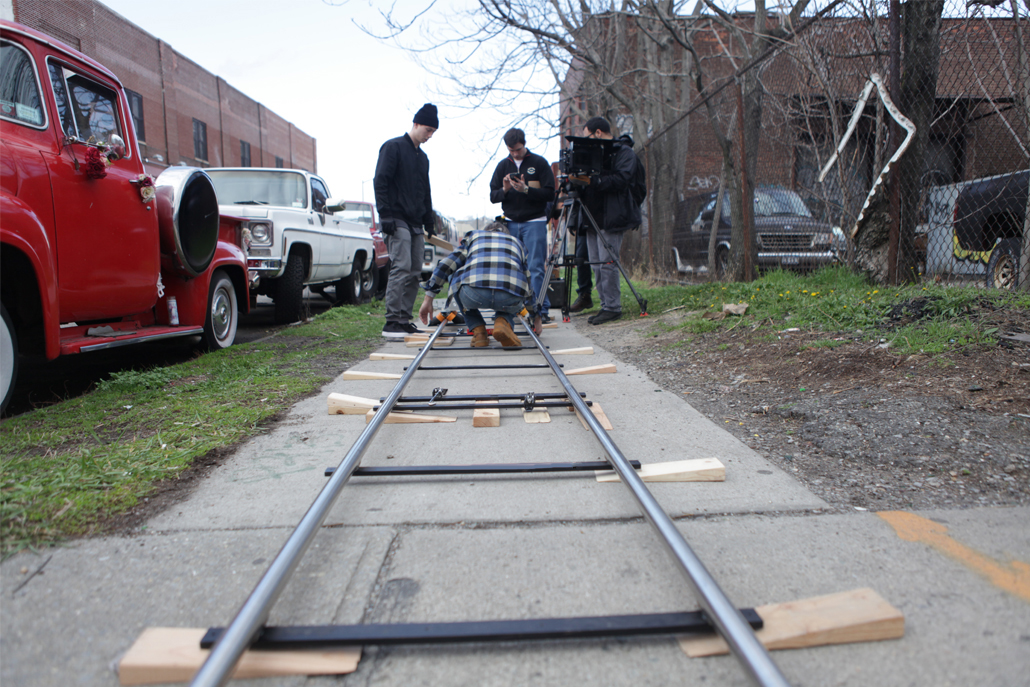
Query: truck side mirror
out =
(334, 205)
(116, 149)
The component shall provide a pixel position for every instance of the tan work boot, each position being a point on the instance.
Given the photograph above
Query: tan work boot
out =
(504, 334)
(479, 337)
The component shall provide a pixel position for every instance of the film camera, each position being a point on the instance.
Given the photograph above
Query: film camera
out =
(585, 156)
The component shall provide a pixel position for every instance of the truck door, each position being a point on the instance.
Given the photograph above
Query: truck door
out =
(108, 251)
(331, 254)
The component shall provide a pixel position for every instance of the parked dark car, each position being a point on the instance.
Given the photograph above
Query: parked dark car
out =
(989, 216)
(788, 236)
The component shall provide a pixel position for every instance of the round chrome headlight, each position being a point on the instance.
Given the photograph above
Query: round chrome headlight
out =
(260, 233)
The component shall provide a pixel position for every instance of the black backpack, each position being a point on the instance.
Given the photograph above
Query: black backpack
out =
(638, 184)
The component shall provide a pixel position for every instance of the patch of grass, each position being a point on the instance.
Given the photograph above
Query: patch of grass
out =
(67, 467)
(825, 343)
(927, 318)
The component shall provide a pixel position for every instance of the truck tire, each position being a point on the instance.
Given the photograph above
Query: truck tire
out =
(8, 358)
(369, 282)
(349, 290)
(1003, 267)
(223, 313)
(289, 291)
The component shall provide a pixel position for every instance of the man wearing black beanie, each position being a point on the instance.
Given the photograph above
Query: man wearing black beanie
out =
(405, 207)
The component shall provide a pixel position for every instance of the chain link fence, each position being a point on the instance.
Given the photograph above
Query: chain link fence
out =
(894, 142)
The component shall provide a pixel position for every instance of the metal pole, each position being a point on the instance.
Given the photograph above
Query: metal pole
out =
(722, 614)
(218, 667)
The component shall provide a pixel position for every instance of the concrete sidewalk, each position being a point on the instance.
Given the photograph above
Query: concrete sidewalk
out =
(410, 550)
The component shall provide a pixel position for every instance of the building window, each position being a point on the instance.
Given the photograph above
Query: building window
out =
(199, 140)
(278, 162)
(136, 110)
(244, 154)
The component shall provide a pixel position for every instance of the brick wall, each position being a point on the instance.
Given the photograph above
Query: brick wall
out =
(174, 90)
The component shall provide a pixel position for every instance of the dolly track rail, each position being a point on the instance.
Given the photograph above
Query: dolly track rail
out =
(249, 621)
(226, 652)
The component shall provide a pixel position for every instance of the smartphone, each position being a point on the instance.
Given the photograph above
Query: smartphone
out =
(515, 177)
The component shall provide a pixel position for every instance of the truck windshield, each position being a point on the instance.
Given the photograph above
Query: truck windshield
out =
(356, 212)
(779, 201)
(239, 187)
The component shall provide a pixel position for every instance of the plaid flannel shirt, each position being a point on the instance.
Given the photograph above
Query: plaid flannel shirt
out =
(484, 259)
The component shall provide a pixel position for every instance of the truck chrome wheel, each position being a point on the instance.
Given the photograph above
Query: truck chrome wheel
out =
(1003, 267)
(8, 358)
(223, 315)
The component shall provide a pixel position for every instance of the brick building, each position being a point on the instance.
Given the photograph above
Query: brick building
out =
(183, 114)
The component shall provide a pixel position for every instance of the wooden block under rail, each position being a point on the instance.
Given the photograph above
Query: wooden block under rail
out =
(486, 417)
(421, 342)
(342, 404)
(860, 615)
(700, 470)
(585, 350)
(595, 408)
(361, 374)
(592, 370)
(390, 356)
(407, 417)
(173, 654)
(538, 416)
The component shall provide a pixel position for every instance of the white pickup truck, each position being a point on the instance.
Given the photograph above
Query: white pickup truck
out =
(293, 238)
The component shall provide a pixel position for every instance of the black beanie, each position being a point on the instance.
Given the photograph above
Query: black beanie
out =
(427, 116)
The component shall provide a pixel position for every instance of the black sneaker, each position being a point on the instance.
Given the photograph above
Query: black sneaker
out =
(410, 327)
(396, 330)
(604, 316)
(545, 318)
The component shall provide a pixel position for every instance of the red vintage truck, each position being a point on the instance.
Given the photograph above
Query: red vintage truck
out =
(95, 253)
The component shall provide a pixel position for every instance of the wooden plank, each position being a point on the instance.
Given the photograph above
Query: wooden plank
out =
(420, 342)
(342, 404)
(390, 356)
(439, 242)
(407, 417)
(361, 374)
(549, 325)
(585, 350)
(538, 416)
(595, 408)
(173, 654)
(486, 417)
(859, 615)
(592, 370)
(700, 470)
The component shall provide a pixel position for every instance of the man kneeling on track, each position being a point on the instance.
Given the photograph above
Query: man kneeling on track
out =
(489, 270)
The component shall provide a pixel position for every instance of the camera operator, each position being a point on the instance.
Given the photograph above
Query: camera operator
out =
(608, 198)
(523, 184)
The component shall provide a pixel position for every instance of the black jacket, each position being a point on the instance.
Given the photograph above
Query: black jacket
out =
(402, 183)
(522, 207)
(608, 196)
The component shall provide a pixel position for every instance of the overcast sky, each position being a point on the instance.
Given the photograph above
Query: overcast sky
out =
(307, 61)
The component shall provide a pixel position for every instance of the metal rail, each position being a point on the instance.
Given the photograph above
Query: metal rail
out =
(724, 615)
(248, 624)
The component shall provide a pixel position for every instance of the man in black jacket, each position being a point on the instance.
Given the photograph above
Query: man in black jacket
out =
(523, 184)
(405, 207)
(611, 203)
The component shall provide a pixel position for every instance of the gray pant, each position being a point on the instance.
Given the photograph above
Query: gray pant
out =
(406, 252)
(607, 275)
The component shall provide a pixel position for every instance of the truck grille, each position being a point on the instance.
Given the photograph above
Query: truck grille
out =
(786, 242)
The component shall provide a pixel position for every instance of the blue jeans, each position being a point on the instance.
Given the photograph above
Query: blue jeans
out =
(534, 237)
(472, 298)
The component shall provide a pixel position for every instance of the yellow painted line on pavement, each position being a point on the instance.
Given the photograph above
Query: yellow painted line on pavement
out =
(1012, 577)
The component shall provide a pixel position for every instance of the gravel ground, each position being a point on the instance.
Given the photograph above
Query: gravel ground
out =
(859, 425)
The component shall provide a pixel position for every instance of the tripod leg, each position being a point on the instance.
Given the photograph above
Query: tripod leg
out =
(615, 258)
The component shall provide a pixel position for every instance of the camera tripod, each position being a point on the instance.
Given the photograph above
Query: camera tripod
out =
(558, 255)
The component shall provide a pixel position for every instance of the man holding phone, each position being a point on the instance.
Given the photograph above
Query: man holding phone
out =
(523, 184)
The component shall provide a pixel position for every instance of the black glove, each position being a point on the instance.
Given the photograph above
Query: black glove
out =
(430, 229)
(388, 227)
